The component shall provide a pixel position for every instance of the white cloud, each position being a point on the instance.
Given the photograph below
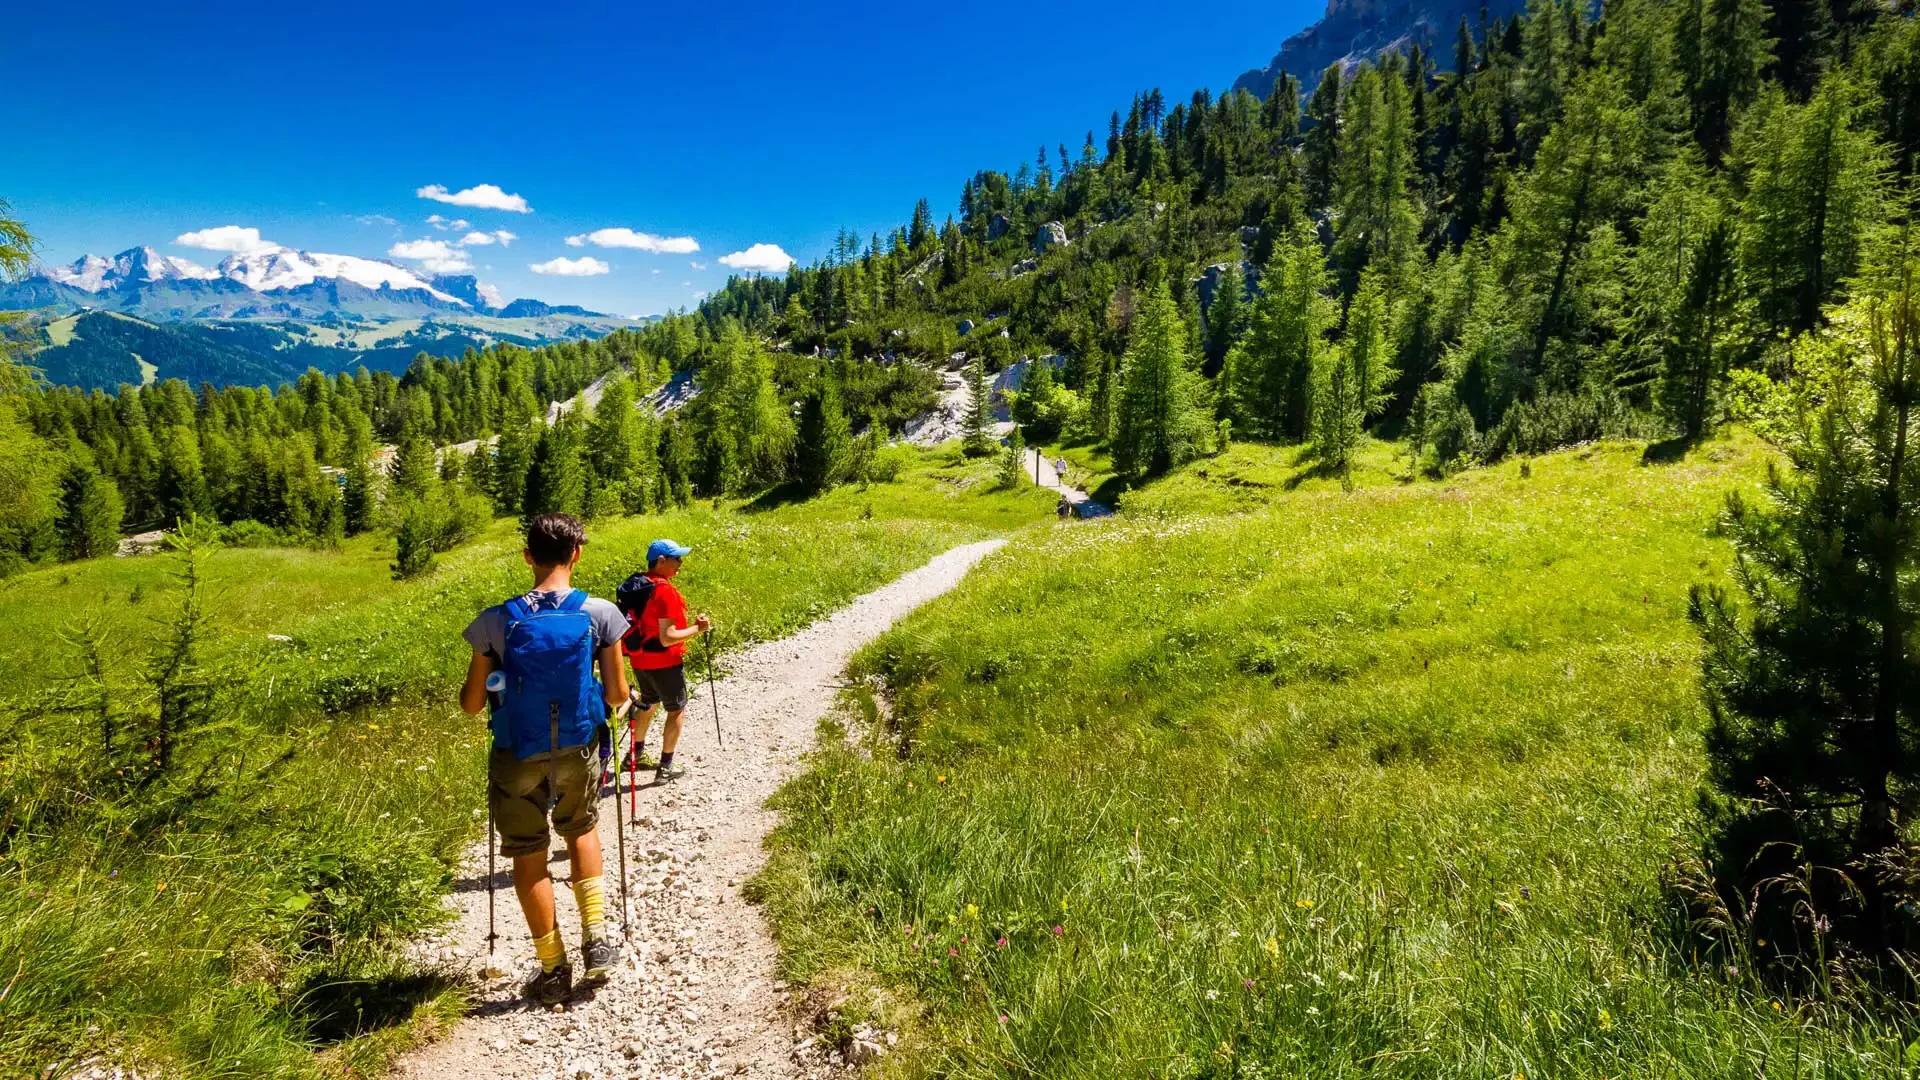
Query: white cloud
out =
(587, 266)
(483, 196)
(435, 255)
(226, 238)
(760, 258)
(497, 236)
(656, 269)
(698, 265)
(490, 294)
(448, 224)
(627, 238)
(375, 219)
(699, 296)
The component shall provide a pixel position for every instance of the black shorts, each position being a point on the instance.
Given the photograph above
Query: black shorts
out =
(662, 686)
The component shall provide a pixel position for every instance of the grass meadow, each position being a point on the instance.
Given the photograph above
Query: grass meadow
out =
(249, 921)
(1263, 779)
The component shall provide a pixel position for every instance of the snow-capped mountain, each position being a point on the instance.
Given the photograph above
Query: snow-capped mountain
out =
(95, 273)
(285, 268)
(268, 271)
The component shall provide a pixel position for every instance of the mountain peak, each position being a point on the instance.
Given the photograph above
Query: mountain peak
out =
(1352, 31)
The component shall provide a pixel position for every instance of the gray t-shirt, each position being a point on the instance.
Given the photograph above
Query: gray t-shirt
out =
(487, 633)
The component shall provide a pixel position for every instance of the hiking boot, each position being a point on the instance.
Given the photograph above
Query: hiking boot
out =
(599, 954)
(671, 772)
(551, 987)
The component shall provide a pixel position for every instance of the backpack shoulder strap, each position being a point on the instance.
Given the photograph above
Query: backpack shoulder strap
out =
(575, 600)
(516, 609)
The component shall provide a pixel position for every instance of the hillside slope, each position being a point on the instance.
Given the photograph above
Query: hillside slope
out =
(1262, 773)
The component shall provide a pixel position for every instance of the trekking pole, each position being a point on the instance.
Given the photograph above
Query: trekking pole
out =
(620, 830)
(491, 851)
(496, 686)
(711, 696)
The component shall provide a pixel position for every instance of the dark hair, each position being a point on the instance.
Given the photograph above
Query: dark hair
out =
(552, 538)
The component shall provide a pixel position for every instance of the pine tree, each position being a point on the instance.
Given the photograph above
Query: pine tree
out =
(1338, 411)
(979, 409)
(1013, 462)
(1366, 345)
(180, 488)
(676, 461)
(359, 500)
(556, 477)
(1697, 357)
(512, 455)
(1814, 689)
(1322, 148)
(1226, 316)
(1732, 49)
(412, 473)
(826, 439)
(1377, 218)
(1160, 424)
(1268, 374)
(1814, 181)
(90, 511)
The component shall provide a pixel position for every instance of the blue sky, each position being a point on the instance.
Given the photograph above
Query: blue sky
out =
(730, 124)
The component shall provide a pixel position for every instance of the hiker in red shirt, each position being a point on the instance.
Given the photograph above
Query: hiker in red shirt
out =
(661, 632)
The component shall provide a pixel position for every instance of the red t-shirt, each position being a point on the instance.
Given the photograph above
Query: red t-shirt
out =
(665, 603)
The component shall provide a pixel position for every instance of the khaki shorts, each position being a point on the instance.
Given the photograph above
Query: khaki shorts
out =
(518, 793)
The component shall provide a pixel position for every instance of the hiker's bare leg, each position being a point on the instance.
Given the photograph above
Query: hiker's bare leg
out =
(584, 852)
(670, 733)
(535, 888)
(642, 723)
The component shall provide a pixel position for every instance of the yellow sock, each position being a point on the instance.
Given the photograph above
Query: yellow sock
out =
(551, 950)
(593, 904)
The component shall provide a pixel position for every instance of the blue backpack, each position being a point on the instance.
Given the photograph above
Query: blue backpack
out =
(551, 699)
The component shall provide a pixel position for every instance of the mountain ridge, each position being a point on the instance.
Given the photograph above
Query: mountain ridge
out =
(1351, 31)
(270, 283)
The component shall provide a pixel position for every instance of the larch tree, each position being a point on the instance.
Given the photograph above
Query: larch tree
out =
(1268, 374)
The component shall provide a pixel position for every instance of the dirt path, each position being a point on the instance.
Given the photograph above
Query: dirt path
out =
(698, 996)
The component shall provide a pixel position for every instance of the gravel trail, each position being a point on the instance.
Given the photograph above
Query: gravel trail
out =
(697, 995)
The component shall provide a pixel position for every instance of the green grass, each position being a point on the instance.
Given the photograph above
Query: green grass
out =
(1259, 782)
(258, 930)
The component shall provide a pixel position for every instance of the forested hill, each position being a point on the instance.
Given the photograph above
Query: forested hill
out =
(1563, 228)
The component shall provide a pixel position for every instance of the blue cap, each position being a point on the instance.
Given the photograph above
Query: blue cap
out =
(665, 549)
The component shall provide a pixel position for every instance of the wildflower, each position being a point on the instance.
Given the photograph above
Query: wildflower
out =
(951, 951)
(1345, 976)
(161, 886)
(941, 779)
(1606, 1020)
(1001, 942)
(1003, 1018)
(1313, 1010)
(1213, 995)
(1776, 1006)
(1246, 984)
(1058, 930)
(1303, 903)
(1272, 946)
(973, 911)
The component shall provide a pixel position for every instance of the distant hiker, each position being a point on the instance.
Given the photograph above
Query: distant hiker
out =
(657, 646)
(1063, 507)
(547, 712)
